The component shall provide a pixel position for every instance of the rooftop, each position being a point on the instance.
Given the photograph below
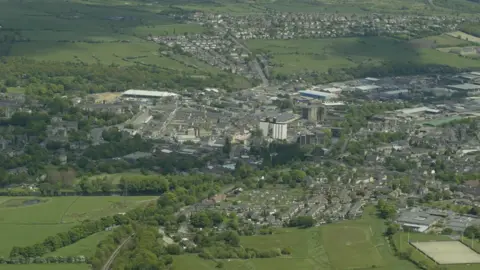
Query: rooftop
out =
(317, 93)
(367, 87)
(148, 93)
(417, 218)
(395, 92)
(465, 87)
(417, 110)
(283, 117)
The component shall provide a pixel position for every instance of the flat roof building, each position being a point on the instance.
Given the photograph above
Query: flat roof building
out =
(367, 87)
(148, 93)
(417, 220)
(317, 94)
(417, 110)
(465, 87)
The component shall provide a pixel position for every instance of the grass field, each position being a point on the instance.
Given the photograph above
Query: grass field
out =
(323, 54)
(443, 41)
(464, 36)
(401, 241)
(85, 247)
(107, 32)
(24, 225)
(357, 244)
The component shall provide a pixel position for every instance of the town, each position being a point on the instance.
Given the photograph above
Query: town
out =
(236, 135)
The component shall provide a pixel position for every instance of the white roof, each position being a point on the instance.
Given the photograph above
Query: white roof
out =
(148, 93)
(371, 79)
(418, 110)
(317, 93)
(333, 89)
(367, 87)
(330, 103)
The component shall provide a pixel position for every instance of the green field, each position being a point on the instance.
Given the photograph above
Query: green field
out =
(85, 247)
(401, 242)
(25, 225)
(326, 247)
(444, 41)
(321, 55)
(106, 32)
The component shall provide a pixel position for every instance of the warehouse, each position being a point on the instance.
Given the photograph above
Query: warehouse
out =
(317, 94)
(465, 87)
(147, 94)
(419, 221)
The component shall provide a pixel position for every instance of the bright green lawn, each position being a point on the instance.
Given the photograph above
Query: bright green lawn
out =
(23, 235)
(289, 56)
(97, 207)
(85, 247)
(26, 225)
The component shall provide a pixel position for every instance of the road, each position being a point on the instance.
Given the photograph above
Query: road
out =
(169, 118)
(107, 265)
(256, 65)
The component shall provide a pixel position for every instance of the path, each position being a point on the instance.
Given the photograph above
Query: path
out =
(169, 118)
(256, 65)
(107, 265)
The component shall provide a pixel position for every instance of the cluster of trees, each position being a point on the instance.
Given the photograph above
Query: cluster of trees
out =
(276, 154)
(472, 232)
(107, 246)
(143, 251)
(42, 260)
(46, 78)
(386, 210)
(226, 245)
(385, 70)
(119, 148)
(206, 219)
(302, 222)
(63, 239)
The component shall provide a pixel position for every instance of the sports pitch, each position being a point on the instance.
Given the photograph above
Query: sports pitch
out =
(448, 252)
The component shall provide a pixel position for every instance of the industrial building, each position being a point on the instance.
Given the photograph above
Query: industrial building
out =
(465, 87)
(419, 221)
(415, 111)
(147, 94)
(317, 94)
(276, 127)
(365, 88)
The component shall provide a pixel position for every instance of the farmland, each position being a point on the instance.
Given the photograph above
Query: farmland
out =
(77, 32)
(320, 55)
(324, 247)
(25, 221)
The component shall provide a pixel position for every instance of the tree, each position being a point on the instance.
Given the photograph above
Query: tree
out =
(447, 231)
(227, 147)
(386, 210)
(173, 249)
(392, 229)
(302, 222)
